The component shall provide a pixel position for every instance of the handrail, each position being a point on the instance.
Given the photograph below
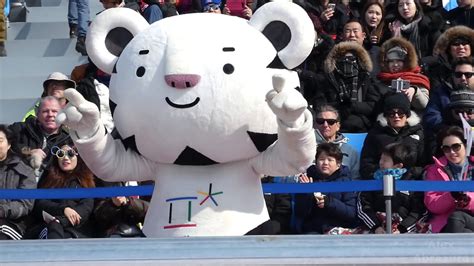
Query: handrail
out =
(369, 185)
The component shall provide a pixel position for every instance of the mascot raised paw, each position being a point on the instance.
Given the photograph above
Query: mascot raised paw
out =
(204, 105)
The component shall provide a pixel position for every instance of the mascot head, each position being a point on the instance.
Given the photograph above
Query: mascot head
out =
(190, 89)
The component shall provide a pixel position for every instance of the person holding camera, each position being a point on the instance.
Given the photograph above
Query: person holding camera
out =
(451, 212)
(400, 71)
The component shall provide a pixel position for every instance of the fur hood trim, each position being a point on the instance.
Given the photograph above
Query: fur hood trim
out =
(442, 44)
(413, 120)
(342, 48)
(412, 58)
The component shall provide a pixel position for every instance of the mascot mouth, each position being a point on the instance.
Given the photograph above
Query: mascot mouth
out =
(182, 106)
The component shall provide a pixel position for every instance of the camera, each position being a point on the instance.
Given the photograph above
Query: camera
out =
(399, 84)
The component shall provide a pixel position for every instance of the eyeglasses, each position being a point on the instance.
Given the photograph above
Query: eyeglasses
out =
(457, 43)
(61, 153)
(454, 147)
(331, 122)
(392, 114)
(211, 7)
(468, 75)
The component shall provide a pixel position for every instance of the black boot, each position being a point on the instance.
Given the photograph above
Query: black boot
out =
(81, 45)
(72, 30)
(3, 51)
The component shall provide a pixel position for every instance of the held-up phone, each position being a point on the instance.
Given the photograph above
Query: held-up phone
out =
(236, 7)
(399, 84)
(332, 6)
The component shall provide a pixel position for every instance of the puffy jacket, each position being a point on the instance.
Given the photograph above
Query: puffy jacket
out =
(441, 204)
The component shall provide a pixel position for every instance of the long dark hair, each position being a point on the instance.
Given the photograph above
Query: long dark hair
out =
(10, 137)
(365, 26)
(57, 178)
(418, 13)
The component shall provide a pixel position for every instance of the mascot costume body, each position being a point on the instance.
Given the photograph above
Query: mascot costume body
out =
(199, 111)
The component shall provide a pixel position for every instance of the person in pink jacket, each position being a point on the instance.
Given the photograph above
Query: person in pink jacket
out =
(452, 212)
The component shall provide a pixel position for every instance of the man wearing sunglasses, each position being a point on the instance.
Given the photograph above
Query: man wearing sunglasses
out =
(462, 78)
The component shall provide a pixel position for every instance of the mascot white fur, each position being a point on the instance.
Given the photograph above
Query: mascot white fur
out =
(199, 111)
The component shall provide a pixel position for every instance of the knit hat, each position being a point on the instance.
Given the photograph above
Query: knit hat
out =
(397, 53)
(462, 99)
(208, 2)
(58, 76)
(396, 101)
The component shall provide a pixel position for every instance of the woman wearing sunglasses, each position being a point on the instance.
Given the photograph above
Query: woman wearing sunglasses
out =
(66, 218)
(397, 123)
(327, 126)
(451, 212)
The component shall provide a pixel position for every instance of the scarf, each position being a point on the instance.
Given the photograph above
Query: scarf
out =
(410, 29)
(397, 173)
(412, 75)
(456, 170)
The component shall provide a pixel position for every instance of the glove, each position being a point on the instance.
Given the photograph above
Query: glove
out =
(79, 115)
(285, 101)
(35, 161)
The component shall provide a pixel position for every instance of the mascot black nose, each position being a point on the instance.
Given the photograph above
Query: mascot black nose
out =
(182, 81)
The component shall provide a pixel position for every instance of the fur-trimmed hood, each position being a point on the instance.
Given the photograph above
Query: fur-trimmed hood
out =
(413, 120)
(411, 61)
(442, 44)
(340, 49)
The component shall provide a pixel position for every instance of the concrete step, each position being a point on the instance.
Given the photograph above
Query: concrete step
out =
(42, 48)
(13, 110)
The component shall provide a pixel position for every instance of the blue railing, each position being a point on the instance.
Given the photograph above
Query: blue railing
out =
(371, 185)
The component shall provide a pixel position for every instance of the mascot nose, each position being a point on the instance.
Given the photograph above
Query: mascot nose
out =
(182, 81)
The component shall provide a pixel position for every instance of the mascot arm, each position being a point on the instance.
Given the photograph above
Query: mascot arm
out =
(295, 148)
(107, 158)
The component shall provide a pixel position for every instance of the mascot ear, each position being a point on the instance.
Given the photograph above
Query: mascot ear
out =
(109, 33)
(288, 27)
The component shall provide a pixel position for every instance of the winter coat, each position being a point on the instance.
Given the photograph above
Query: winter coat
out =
(419, 81)
(16, 174)
(338, 211)
(409, 205)
(55, 207)
(439, 71)
(350, 155)
(382, 135)
(461, 16)
(441, 204)
(30, 136)
(439, 100)
(356, 116)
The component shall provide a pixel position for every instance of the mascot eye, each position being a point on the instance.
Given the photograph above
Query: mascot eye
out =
(228, 69)
(140, 72)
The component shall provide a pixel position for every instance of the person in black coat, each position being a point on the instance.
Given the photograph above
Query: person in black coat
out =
(318, 213)
(397, 123)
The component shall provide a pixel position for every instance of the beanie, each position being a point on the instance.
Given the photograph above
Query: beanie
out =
(396, 101)
(396, 53)
(462, 99)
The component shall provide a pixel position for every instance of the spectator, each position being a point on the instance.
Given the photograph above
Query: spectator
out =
(461, 78)
(70, 217)
(14, 174)
(78, 18)
(211, 6)
(3, 29)
(320, 213)
(461, 103)
(412, 25)
(327, 17)
(150, 10)
(463, 14)
(435, 11)
(120, 216)
(453, 44)
(399, 61)
(396, 124)
(353, 32)
(37, 135)
(373, 22)
(346, 85)
(54, 85)
(451, 212)
(327, 127)
(397, 160)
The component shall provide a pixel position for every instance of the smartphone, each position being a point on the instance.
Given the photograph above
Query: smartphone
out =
(332, 6)
(399, 85)
(236, 7)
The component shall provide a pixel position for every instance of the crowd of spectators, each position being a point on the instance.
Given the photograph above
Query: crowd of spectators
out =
(400, 71)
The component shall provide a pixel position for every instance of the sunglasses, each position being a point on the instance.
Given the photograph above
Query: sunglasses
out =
(211, 7)
(392, 114)
(462, 111)
(61, 153)
(331, 122)
(457, 43)
(454, 147)
(468, 75)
